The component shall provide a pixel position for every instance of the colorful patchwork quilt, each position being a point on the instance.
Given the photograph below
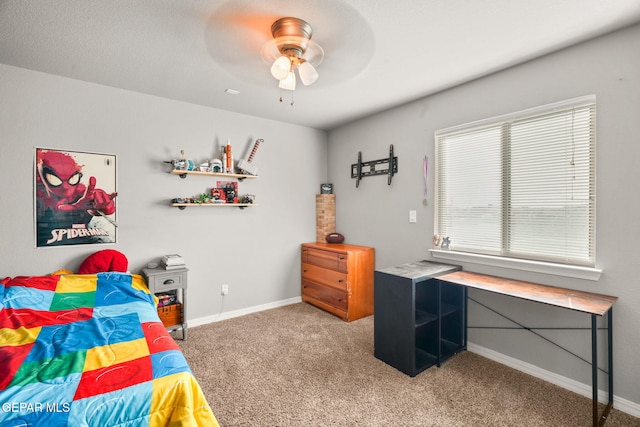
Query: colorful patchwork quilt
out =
(89, 350)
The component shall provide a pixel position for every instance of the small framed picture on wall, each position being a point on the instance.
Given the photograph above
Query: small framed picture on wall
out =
(326, 188)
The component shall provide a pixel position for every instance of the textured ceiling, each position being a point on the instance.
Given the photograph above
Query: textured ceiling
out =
(378, 53)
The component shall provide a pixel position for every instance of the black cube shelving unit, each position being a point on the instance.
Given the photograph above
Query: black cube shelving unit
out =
(419, 321)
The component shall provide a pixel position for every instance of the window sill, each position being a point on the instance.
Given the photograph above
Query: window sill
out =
(586, 273)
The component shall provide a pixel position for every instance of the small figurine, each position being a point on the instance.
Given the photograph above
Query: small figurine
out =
(215, 193)
(445, 243)
(248, 198)
(216, 166)
(178, 164)
(230, 194)
(182, 164)
(435, 241)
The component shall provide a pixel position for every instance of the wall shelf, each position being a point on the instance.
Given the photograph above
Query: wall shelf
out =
(183, 174)
(182, 206)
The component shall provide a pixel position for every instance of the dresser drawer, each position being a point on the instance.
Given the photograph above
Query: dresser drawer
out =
(324, 276)
(326, 294)
(325, 259)
(170, 280)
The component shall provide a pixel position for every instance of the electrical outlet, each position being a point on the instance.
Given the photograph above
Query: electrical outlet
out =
(412, 216)
(225, 289)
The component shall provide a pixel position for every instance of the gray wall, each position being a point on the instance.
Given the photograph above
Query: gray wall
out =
(255, 250)
(377, 215)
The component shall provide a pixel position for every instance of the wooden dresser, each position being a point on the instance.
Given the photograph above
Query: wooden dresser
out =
(338, 278)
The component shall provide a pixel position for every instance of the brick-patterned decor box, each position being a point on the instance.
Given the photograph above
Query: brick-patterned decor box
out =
(325, 216)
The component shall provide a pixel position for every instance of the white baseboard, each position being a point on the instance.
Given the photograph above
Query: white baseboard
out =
(619, 403)
(237, 313)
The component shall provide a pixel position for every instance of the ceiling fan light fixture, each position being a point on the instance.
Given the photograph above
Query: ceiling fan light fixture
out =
(281, 68)
(288, 83)
(308, 74)
(291, 48)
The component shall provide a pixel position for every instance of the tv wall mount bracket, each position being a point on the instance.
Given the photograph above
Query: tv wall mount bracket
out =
(388, 166)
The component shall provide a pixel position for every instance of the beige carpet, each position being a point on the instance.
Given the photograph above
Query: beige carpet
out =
(299, 366)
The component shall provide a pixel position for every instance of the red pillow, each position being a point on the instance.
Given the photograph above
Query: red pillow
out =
(105, 260)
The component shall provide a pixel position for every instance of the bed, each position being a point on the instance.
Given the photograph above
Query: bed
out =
(89, 350)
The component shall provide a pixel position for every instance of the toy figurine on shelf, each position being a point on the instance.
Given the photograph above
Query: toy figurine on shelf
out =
(248, 199)
(245, 166)
(202, 198)
(228, 191)
(215, 166)
(230, 194)
(183, 163)
(217, 195)
(228, 158)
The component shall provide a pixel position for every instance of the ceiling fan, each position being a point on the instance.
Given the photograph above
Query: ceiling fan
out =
(244, 35)
(291, 50)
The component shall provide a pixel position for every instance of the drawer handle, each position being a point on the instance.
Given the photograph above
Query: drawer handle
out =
(342, 258)
(304, 271)
(168, 282)
(340, 281)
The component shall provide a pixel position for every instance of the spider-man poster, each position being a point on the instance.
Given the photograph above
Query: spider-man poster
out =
(75, 198)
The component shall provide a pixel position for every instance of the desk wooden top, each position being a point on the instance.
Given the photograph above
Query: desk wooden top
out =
(560, 297)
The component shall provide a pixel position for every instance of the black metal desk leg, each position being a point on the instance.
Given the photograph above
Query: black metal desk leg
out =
(601, 420)
(607, 409)
(594, 369)
(610, 351)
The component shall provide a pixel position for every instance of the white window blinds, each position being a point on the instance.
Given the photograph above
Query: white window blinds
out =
(521, 186)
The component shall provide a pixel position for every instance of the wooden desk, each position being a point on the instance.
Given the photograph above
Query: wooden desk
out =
(586, 302)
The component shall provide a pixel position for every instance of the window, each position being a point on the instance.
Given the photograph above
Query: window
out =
(521, 186)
